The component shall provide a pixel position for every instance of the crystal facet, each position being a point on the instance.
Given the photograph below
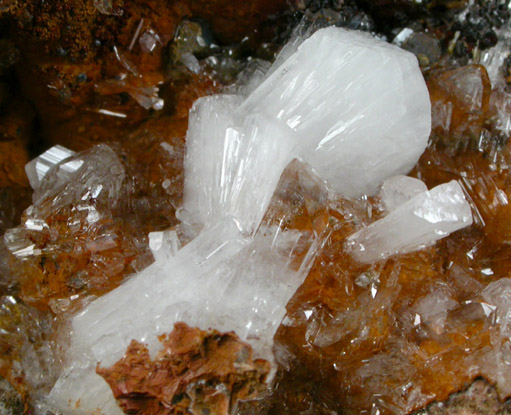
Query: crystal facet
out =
(419, 222)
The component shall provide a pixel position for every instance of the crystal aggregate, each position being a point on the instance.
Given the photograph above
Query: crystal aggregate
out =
(305, 270)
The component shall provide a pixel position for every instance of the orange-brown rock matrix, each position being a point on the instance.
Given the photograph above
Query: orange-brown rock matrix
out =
(80, 57)
(197, 372)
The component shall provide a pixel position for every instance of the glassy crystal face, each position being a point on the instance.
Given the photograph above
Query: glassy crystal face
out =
(72, 241)
(418, 222)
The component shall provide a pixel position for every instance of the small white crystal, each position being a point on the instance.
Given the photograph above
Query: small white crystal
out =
(191, 62)
(164, 244)
(422, 220)
(149, 40)
(360, 107)
(37, 168)
(397, 190)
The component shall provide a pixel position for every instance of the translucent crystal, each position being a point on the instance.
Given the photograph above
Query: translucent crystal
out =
(495, 57)
(432, 309)
(149, 41)
(38, 167)
(498, 294)
(422, 220)
(460, 99)
(144, 91)
(360, 107)
(250, 78)
(74, 240)
(164, 244)
(30, 359)
(423, 45)
(400, 189)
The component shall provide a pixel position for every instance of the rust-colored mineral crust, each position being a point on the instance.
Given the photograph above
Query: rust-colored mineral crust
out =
(78, 61)
(197, 372)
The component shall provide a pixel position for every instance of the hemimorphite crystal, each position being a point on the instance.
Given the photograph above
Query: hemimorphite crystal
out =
(421, 221)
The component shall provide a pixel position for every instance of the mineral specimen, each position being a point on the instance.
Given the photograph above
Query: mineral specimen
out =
(231, 278)
(400, 306)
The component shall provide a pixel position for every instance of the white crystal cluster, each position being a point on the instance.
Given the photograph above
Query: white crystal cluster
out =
(359, 106)
(353, 107)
